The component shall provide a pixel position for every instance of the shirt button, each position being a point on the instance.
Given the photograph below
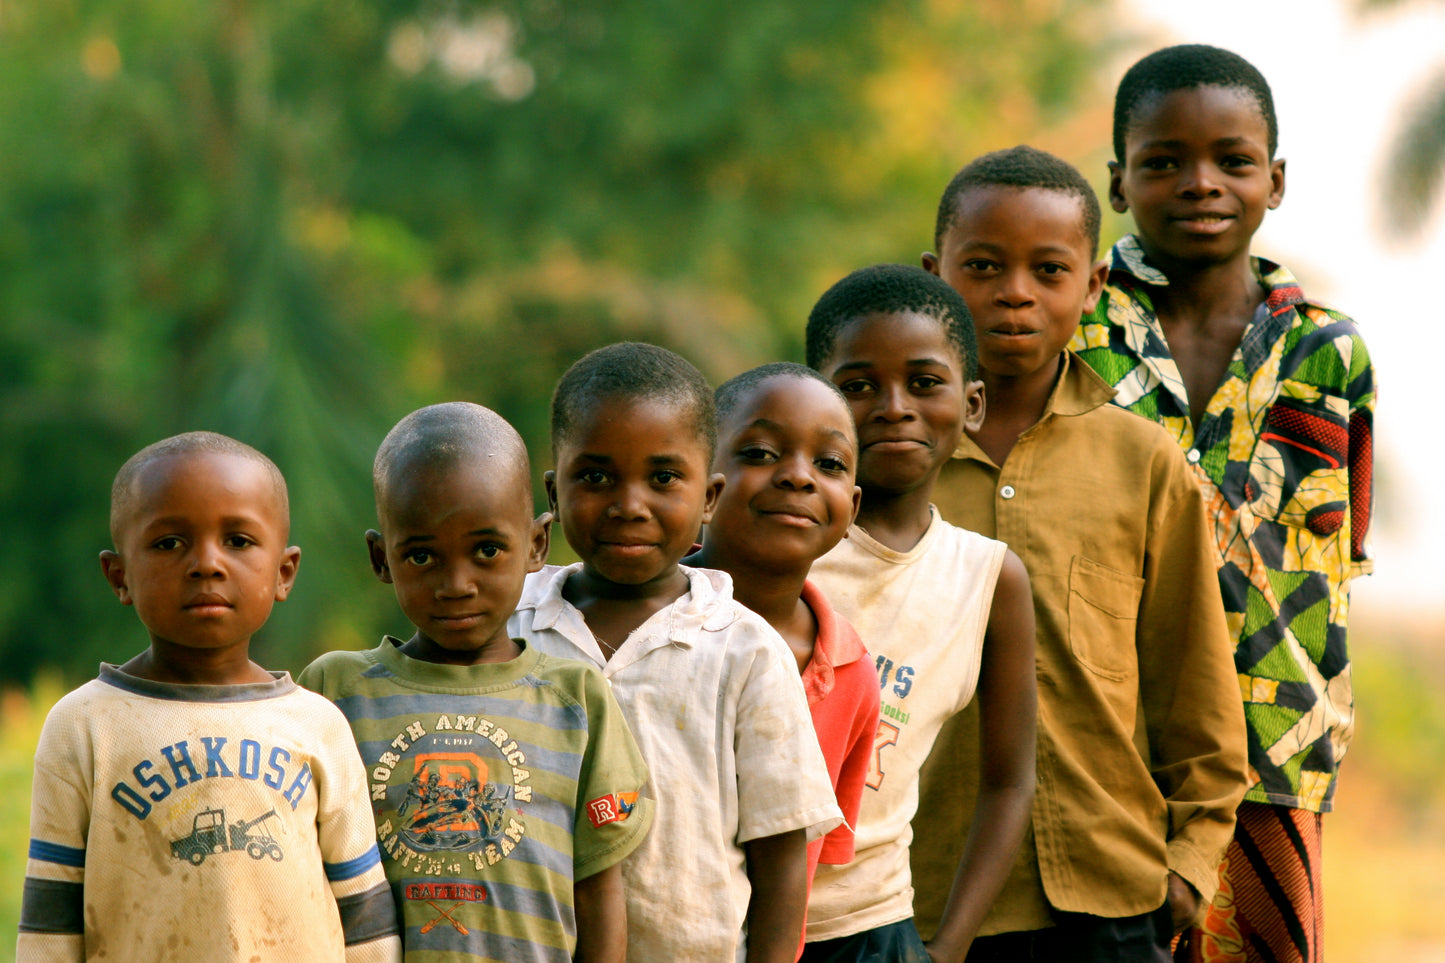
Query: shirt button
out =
(1193, 456)
(1007, 491)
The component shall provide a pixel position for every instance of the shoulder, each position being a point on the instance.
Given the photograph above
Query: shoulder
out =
(336, 671)
(957, 543)
(572, 679)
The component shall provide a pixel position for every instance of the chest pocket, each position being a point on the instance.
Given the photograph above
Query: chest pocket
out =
(1299, 472)
(1103, 618)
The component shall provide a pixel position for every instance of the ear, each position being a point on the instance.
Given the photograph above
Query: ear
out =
(930, 263)
(1098, 277)
(286, 576)
(1116, 188)
(549, 484)
(541, 542)
(857, 503)
(113, 567)
(1276, 177)
(973, 406)
(715, 485)
(376, 548)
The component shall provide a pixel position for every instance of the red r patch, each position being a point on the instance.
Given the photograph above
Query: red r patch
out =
(611, 809)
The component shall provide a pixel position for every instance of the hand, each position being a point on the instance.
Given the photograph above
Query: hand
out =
(1183, 902)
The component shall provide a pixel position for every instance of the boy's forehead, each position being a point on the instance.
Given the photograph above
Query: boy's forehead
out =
(175, 482)
(1019, 208)
(881, 335)
(800, 402)
(1186, 108)
(493, 481)
(614, 425)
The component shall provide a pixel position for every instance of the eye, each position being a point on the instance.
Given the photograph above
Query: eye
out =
(979, 265)
(756, 454)
(832, 465)
(488, 550)
(592, 476)
(1237, 162)
(239, 541)
(666, 476)
(1157, 163)
(418, 557)
(167, 544)
(924, 382)
(856, 387)
(1052, 269)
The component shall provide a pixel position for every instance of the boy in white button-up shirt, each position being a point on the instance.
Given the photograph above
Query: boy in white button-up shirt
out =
(708, 688)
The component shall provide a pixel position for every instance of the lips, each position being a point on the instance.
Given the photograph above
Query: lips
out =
(208, 605)
(791, 515)
(894, 443)
(1203, 222)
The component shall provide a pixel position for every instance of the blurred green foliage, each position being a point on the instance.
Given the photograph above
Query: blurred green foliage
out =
(293, 221)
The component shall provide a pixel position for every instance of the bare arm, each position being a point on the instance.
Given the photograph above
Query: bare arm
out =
(1008, 698)
(601, 917)
(778, 870)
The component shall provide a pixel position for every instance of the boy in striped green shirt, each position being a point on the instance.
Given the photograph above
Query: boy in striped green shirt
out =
(504, 782)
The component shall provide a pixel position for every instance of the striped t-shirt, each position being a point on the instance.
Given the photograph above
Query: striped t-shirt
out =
(495, 787)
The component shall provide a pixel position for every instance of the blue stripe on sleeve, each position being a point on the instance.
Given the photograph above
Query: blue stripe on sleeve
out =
(352, 868)
(56, 853)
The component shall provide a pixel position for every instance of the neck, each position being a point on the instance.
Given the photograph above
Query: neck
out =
(1198, 293)
(897, 519)
(1020, 399)
(588, 585)
(179, 665)
(500, 648)
(771, 590)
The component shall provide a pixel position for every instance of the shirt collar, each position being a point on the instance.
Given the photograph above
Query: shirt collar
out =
(707, 606)
(836, 645)
(1077, 390)
(1271, 321)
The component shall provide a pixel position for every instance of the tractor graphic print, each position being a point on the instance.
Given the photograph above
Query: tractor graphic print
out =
(210, 834)
(450, 806)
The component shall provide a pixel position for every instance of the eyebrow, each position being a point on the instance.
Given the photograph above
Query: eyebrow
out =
(1041, 249)
(475, 533)
(911, 362)
(1178, 144)
(779, 426)
(182, 521)
(665, 458)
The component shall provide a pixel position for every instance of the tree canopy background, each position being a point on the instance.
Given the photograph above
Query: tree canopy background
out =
(294, 221)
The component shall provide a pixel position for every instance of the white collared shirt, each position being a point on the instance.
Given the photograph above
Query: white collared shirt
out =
(713, 698)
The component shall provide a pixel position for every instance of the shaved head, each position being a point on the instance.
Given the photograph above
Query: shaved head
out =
(447, 437)
(124, 490)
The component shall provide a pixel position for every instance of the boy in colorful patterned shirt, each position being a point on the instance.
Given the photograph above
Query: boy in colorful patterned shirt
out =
(505, 783)
(190, 805)
(1271, 396)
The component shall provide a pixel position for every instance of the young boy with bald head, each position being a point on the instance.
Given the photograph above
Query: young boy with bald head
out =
(190, 805)
(504, 782)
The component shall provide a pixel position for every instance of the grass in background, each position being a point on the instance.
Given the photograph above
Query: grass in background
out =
(1384, 846)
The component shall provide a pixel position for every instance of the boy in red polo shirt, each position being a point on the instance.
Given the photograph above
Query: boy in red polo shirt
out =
(787, 445)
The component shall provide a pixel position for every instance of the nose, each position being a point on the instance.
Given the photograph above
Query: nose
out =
(630, 503)
(795, 472)
(207, 560)
(1015, 289)
(1201, 179)
(891, 403)
(455, 583)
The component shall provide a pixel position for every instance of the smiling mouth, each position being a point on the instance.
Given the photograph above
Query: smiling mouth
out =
(457, 621)
(1204, 223)
(792, 517)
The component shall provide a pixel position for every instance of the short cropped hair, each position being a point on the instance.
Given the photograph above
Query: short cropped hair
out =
(633, 371)
(444, 436)
(1021, 167)
(1185, 67)
(122, 490)
(734, 392)
(891, 289)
